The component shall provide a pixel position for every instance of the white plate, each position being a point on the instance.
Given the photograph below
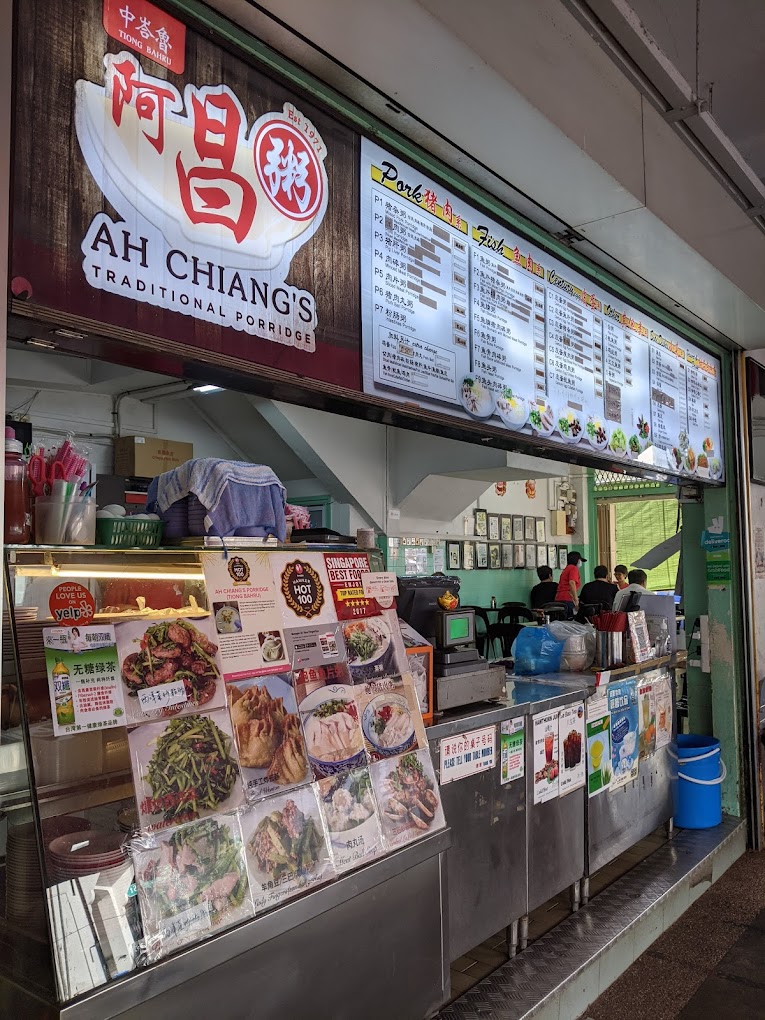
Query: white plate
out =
(571, 416)
(476, 399)
(514, 414)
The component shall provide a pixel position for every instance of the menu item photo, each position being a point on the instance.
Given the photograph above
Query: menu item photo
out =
(286, 848)
(169, 668)
(391, 720)
(375, 647)
(268, 735)
(332, 732)
(191, 881)
(408, 798)
(348, 804)
(185, 769)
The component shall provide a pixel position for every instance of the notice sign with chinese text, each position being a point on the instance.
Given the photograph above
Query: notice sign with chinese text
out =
(467, 753)
(512, 750)
(147, 30)
(83, 679)
(204, 203)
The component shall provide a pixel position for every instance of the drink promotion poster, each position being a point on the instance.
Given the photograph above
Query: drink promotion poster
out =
(545, 756)
(623, 706)
(83, 679)
(647, 702)
(598, 746)
(571, 742)
(512, 745)
(248, 621)
(663, 699)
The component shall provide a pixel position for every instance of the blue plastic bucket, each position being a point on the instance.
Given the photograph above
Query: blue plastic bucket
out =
(700, 774)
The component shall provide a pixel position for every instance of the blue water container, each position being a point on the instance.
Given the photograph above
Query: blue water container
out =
(700, 775)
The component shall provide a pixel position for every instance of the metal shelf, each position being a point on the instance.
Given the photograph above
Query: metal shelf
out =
(80, 794)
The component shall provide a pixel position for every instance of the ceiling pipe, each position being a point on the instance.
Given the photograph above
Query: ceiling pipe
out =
(180, 388)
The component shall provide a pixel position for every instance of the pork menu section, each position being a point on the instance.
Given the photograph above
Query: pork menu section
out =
(462, 316)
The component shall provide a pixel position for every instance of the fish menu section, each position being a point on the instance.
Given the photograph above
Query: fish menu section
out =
(462, 316)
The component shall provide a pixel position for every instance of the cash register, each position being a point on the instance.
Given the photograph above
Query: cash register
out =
(461, 675)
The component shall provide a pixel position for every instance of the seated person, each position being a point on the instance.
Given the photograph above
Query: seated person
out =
(545, 591)
(638, 579)
(599, 592)
(620, 576)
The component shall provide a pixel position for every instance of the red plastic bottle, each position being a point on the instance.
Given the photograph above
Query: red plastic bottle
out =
(17, 519)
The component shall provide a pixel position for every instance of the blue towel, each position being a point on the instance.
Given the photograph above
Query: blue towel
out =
(235, 494)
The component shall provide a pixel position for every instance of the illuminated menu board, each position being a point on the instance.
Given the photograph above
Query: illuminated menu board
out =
(459, 315)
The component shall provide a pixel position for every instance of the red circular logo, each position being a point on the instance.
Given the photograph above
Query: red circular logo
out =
(289, 170)
(71, 604)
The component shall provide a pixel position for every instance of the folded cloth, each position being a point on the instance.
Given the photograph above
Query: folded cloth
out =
(234, 493)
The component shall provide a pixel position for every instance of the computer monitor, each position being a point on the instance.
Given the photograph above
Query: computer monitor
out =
(454, 628)
(417, 601)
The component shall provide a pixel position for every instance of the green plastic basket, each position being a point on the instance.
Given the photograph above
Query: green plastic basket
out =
(126, 533)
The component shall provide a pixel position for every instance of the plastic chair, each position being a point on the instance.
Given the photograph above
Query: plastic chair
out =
(481, 633)
(555, 610)
(514, 612)
(508, 626)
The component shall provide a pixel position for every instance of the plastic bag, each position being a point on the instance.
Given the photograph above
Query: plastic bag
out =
(579, 647)
(537, 650)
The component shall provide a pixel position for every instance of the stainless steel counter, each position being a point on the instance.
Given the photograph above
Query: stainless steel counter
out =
(373, 944)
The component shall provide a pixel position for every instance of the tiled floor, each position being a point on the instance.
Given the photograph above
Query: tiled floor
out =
(469, 969)
(708, 965)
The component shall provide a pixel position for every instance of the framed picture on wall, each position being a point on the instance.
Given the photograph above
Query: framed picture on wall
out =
(541, 529)
(531, 556)
(552, 557)
(506, 528)
(495, 556)
(519, 556)
(507, 556)
(480, 523)
(468, 555)
(541, 555)
(517, 529)
(562, 556)
(494, 527)
(481, 555)
(530, 529)
(454, 555)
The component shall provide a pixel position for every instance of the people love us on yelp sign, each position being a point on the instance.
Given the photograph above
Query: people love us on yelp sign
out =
(221, 206)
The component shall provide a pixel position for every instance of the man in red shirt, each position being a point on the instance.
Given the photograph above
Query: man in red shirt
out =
(570, 582)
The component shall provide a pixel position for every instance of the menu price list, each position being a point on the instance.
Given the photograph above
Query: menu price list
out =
(420, 296)
(571, 365)
(503, 325)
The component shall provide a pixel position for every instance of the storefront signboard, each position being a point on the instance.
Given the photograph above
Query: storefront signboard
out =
(462, 317)
(465, 754)
(202, 203)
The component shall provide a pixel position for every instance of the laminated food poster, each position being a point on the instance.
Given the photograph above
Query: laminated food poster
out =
(571, 740)
(407, 797)
(333, 736)
(248, 620)
(83, 679)
(545, 756)
(268, 735)
(375, 647)
(390, 716)
(192, 882)
(286, 848)
(310, 679)
(349, 808)
(663, 695)
(623, 706)
(598, 745)
(170, 667)
(184, 769)
(647, 714)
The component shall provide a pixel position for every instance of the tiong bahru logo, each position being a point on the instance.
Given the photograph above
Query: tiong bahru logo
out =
(213, 209)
